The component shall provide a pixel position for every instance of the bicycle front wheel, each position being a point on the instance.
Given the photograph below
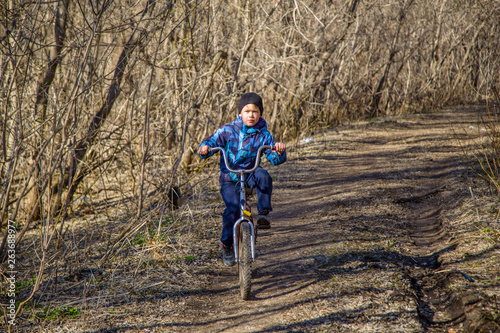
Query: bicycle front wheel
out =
(245, 260)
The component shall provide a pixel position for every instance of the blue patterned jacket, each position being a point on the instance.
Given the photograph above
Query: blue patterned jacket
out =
(241, 143)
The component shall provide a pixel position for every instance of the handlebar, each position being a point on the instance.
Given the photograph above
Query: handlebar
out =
(257, 160)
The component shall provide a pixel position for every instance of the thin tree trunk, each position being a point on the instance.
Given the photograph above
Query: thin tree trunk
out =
(78, 169)
(42, 98)
(462, 69)
(374, 107)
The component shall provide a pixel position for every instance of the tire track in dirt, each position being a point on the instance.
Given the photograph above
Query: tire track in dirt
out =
(438, 305)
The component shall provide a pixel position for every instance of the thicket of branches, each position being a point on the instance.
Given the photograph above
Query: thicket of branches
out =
(116, 95)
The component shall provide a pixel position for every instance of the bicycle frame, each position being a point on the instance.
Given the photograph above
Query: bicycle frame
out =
(243, 199)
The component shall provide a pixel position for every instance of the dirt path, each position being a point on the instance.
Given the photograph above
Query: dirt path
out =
(363, 238)
(357, 236)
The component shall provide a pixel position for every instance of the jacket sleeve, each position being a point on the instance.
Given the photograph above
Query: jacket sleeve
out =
(215, 140)
(273, 157)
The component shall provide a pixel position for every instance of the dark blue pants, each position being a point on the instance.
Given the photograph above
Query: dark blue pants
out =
(263, 184)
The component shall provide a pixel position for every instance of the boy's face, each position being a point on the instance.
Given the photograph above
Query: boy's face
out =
(250, 114)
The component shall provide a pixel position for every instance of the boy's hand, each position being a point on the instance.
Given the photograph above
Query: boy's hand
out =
(203, 150)
(280, 148)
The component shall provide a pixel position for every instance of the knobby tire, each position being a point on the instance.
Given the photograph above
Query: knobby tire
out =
(245, 262)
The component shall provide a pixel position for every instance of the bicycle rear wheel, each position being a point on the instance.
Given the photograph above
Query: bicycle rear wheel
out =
(245, 260)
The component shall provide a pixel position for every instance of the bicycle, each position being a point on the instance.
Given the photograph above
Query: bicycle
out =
(244, 230)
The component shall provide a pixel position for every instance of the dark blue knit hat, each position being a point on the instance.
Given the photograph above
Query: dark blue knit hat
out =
(251, 98)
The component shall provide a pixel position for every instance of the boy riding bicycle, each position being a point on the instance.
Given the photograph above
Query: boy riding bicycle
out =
(241, 139)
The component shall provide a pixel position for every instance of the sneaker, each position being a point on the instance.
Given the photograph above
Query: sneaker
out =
(228, 255)
(263, 220)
